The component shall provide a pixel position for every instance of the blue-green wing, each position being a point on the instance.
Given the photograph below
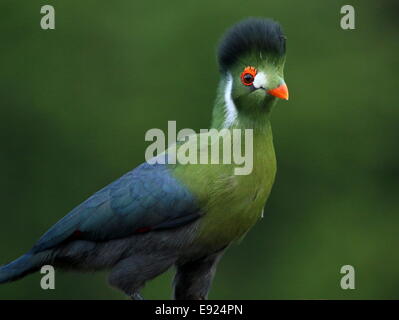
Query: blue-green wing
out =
(147, 198)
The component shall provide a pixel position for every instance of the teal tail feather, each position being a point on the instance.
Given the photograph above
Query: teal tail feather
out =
(20, 267)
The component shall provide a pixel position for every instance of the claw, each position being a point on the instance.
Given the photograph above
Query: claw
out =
(136, 296)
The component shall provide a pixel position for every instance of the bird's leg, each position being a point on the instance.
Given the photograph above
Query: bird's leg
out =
(194, 278)
(130, 275)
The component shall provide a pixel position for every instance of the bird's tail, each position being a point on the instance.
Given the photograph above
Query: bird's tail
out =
(24, 265)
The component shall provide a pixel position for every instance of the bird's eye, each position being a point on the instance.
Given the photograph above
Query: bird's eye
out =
(248, 76)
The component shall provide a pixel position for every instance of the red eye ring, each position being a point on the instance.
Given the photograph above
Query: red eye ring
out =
(248, 76)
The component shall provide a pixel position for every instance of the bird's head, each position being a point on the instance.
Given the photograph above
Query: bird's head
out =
(251, 57)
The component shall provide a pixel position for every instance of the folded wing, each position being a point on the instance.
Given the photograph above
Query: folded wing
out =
(145, 199)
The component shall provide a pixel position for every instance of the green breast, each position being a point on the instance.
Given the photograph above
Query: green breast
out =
(232, 203)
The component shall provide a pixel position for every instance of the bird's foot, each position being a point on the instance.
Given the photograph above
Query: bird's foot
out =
(136, 296)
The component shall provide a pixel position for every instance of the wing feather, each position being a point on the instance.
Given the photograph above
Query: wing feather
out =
(146, 198)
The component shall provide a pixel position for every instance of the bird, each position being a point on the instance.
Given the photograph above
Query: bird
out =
(164, 215)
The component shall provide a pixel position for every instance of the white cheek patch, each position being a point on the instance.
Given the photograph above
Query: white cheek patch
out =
(260, 81)
(230, 108)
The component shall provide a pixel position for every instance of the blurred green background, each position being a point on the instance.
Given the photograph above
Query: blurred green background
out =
(76, 103)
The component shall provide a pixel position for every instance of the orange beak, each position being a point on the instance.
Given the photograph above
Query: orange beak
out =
(279, 92)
